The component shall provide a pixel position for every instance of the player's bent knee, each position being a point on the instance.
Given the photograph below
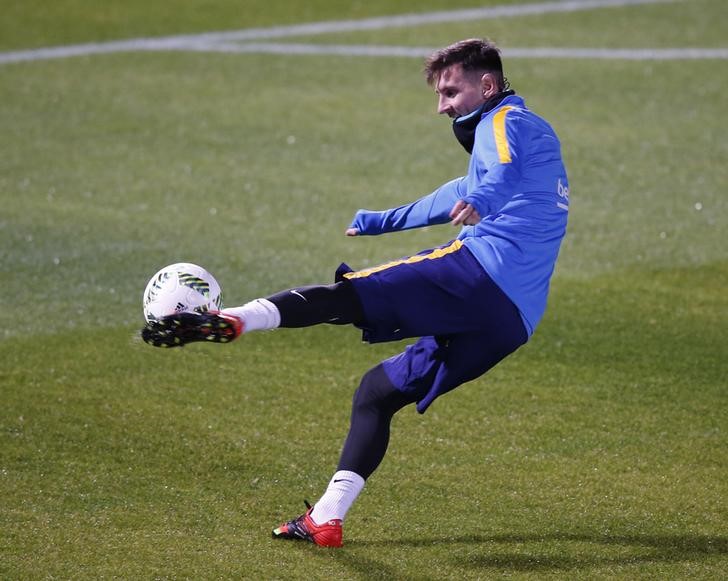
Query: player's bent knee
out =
(377, 393)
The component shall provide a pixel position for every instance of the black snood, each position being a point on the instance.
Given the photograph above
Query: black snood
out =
(464, 127)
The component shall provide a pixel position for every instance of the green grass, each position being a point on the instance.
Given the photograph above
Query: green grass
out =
(598, 451)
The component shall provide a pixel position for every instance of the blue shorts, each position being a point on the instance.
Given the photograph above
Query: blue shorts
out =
(465, 322)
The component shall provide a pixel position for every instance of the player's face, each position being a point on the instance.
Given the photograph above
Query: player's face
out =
(459, 92)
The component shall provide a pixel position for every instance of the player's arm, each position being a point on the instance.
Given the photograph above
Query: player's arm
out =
(431, 209)
(496, 173)
(494, 190)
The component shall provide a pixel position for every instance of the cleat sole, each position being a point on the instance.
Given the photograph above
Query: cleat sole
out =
(178, 330)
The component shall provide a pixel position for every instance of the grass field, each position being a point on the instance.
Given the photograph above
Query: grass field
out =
(598, 451)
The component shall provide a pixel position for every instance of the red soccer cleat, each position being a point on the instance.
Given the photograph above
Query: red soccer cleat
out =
(303, 528)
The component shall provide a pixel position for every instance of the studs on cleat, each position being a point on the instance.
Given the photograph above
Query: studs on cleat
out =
(178, 330)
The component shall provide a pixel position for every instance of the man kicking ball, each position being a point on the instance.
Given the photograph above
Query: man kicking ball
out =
(471, 302)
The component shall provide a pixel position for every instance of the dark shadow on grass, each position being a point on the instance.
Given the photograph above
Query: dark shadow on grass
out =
(497, 556)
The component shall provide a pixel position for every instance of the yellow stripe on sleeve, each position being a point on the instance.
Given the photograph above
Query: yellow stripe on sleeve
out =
(499, 133)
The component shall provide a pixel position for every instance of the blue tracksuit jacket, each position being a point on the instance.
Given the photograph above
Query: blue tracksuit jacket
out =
(517, 182)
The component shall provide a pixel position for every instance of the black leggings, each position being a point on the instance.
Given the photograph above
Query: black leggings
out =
(304, 306)
(375, 403)
(376, 400)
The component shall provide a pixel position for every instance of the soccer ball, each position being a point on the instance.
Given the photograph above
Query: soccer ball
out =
(181, 287)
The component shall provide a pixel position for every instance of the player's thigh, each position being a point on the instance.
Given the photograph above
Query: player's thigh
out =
(451, 360)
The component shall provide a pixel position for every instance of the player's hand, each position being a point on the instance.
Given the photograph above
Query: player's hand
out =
(352, 232)
(463, 213)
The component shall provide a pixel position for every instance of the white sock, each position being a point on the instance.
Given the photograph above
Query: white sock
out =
(257, 315)
(341, 493)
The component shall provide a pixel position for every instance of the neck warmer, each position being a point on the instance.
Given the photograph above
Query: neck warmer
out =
(464, 126)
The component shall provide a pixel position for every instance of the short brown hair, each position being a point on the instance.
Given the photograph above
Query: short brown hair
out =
(473, 54)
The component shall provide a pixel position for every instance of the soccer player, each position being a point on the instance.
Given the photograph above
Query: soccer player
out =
(470, 302)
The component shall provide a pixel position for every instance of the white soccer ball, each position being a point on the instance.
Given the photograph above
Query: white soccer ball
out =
(181, 287)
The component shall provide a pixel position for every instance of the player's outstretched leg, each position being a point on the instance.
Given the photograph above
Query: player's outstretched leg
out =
(303, 528)
(182, 328)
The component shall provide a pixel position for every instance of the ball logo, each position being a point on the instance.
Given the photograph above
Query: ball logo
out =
(195, 283)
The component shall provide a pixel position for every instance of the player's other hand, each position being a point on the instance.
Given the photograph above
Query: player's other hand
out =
(352, 232)
(463, 213)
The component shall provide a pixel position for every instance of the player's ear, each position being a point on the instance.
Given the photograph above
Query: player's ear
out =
(488, 85)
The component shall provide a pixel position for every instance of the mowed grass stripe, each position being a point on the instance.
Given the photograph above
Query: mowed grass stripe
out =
(210, 41)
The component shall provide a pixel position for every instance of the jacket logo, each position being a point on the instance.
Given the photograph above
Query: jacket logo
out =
(563, 192)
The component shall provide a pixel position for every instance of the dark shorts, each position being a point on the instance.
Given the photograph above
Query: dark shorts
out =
(466, 324)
